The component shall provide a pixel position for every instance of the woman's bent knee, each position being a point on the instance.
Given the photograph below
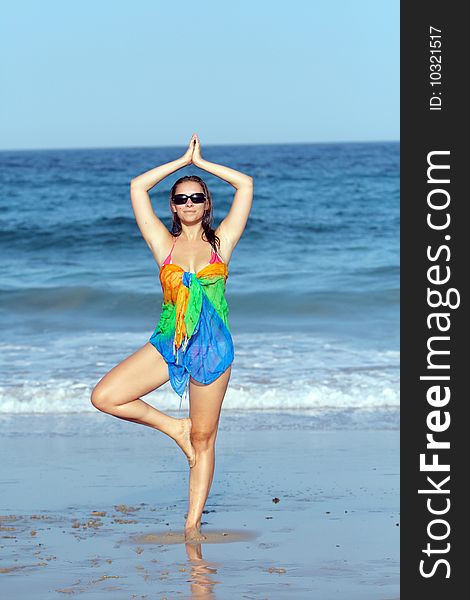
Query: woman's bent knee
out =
(101, 398)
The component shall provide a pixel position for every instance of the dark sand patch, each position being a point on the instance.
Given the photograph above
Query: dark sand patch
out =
(221, 536)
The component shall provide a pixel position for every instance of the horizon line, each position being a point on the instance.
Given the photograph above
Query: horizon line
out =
(68, 148)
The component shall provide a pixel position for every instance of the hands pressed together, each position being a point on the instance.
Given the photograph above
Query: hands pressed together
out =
(193, 153)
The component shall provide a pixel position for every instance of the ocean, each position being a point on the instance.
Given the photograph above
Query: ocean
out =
(313, 286)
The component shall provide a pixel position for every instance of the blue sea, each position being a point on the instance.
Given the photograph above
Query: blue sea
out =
(313, 285)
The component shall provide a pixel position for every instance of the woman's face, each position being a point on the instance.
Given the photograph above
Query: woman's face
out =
(190, 212)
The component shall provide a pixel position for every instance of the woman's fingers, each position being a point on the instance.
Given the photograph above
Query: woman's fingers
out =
(193, 150)
(188, 155)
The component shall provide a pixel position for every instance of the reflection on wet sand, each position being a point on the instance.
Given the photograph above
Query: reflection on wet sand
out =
(202, 572)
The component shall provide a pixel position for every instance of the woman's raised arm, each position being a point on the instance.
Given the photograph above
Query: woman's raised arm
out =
(152, 228)
(233, 226)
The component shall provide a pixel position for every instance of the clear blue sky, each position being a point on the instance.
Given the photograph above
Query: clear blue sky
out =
(150, 73)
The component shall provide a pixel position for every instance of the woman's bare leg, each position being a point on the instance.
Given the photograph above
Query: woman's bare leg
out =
(117, 394)
(205, 405)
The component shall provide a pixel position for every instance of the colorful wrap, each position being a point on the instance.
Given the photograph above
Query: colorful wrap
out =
(193, 334)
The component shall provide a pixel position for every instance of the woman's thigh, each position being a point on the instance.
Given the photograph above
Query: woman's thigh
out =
(140, 373)
(205, 403)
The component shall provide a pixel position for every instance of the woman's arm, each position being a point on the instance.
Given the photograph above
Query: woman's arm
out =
(153, 230)
(233, 226)
(235, 178)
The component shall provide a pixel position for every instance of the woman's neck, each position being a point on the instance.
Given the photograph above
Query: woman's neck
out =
(192, 233)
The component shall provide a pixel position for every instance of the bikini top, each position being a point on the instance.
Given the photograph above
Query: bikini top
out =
(214, 257)
(184, 293)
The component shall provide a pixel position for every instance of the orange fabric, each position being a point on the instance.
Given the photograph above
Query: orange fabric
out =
(175, 292)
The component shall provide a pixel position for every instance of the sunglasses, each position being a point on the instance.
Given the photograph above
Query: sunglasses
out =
(197, 198)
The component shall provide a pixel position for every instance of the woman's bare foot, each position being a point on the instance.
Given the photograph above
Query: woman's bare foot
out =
(193, 534)
(183, 439)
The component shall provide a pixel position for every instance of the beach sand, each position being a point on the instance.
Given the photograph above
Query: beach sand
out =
(292, 513)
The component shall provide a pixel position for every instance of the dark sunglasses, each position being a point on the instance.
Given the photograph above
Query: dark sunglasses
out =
(197, 198)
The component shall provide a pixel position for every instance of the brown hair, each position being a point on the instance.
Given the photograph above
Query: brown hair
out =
(207, 219)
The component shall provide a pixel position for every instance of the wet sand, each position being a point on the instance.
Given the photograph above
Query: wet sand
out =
(291, 514)
(212, 536)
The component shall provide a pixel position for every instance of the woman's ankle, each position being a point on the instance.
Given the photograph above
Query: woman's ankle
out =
(193, 524)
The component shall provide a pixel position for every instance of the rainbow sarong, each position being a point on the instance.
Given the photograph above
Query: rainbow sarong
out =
(193, 334)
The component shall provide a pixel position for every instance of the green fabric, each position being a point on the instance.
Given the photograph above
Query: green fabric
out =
(214, 288)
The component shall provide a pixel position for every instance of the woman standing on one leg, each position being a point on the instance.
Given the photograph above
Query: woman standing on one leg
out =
(191, 345)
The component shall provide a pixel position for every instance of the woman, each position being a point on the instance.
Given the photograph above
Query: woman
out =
(191, 345)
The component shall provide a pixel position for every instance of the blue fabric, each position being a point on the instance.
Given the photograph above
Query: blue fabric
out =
(208, 353)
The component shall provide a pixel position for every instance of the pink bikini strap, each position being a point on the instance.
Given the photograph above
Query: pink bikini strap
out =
(168, 258)
(171, 251)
